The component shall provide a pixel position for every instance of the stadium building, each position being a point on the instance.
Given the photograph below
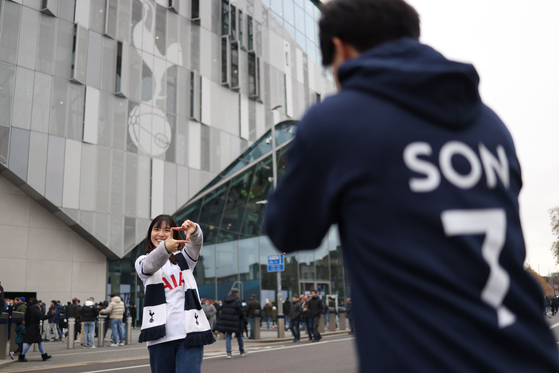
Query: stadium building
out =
(115, 111)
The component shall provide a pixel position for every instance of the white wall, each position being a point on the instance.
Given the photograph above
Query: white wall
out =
(39, 253)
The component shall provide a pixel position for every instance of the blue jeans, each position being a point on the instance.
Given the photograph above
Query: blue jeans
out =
(173, 357)
(118, 330)
(251, 323)
(88, 328)
(287, 321)
(268, 319)
(309, 327)
(228, 337)
(28, 346)
(294, 326)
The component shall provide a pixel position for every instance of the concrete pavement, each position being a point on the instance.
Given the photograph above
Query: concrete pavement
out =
(62, 356)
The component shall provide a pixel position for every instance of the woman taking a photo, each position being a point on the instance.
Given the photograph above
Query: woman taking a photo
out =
(174, 324)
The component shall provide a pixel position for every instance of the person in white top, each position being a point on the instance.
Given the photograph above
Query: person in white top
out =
(174, 324)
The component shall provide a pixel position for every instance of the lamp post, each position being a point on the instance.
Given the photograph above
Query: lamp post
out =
(281, 330)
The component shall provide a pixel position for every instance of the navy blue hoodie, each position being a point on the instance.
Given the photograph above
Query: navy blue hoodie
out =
(423, 181)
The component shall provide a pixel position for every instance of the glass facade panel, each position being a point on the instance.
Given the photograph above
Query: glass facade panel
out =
(306, 265)
(249, 267)
(236, 202)
(269, 280)
(63, 53)
(227, 269)
(322, 265)
(211, 213)
(75, 114)
(204, 272)
(59, 107)
(337, 274)
(28, 35)
(261, 186)
(41, 103)
(19, 152)
(224, 17)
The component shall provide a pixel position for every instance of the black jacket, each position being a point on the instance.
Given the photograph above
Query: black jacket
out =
(232, 315)
(71, 310)
(89, 313)
(296, 311)
(33, 317)
(252, 306)
(315, 307)
(287, 307)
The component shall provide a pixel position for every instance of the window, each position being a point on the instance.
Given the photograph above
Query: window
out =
(234, 65)
(225, 50)
(174, 5)
(233, 23)
(224, 17)
(250, 34)
(253, 76)
(195, 11)
(79, 54)
(122, 63)
(195, 95)
(240, 27)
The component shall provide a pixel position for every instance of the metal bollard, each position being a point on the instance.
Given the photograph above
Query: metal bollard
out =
(256, 324)
(321, 323)
(129, 330)
(71, 328)
(101, 331)
(341, 315)
(281, 326)
(331, 319)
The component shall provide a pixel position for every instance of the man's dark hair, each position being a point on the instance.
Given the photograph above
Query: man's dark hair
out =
(364, 24)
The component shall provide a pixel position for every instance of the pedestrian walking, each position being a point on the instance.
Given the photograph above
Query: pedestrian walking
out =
(295, 313)
(33, 317)
(20, 338)
(230, 321)
(174, 324)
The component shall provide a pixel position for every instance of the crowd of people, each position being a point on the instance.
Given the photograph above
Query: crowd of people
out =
(54, 326)
(233, 315)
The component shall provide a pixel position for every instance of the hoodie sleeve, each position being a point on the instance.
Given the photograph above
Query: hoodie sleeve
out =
(300, 210)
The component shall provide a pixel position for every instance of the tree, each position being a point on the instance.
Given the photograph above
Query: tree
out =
(544, 284)
(554, 214)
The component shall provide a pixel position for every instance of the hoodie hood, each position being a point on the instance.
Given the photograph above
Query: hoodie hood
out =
(89, 303)
(417, 78)
(116, 299)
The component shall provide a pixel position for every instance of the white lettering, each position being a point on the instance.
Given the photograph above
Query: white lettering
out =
(414, 163)
(451, 149)
(494, 166)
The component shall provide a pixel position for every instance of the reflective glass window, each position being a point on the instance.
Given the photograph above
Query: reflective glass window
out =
(261, 186)
(250, 33)
(240, 27)
(306, 265)
(233, 22)
(310, 25)
(45, 52)
(75, 115)
(322, 264)
(236, 202)
(192, 212)
(172, 89)
(160, 29)
(212, 212)
(309, 7)
(227, 270)
(290, 276)
(299, 19)
(277, 7)
(7, 88)
(224, 17)
(249, 267)
(336, 263)
(234, 65)
(289, 12)
(269, 280)
(204, 272)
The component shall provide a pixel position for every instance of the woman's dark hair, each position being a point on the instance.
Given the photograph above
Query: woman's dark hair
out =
(156, 223)
(364, 24)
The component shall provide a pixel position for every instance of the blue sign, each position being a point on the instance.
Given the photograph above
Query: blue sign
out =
(275, 263)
